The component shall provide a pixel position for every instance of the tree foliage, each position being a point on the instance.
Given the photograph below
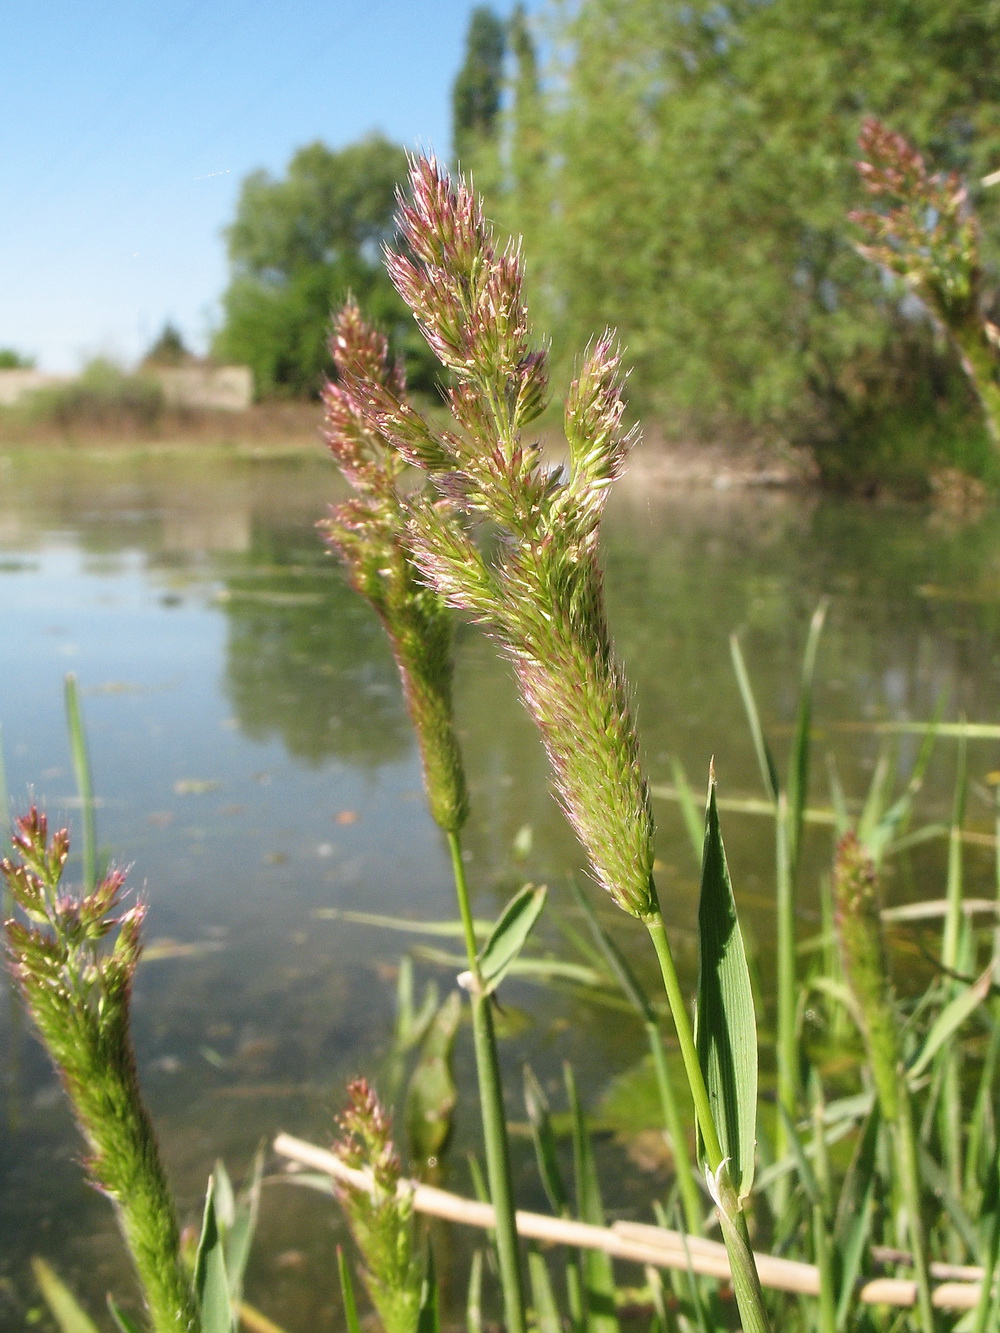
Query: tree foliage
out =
(476, 93)
(696, 170)
(298, 246)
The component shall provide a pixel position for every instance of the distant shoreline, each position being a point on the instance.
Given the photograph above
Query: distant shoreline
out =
(287, 430)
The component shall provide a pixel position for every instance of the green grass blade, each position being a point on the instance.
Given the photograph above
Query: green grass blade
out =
(689, 807)
(210, 1279)
(432, 1095)
(351, 1321)
(65, 1309)
(765, 760)
(544, 1139)
(547, 1317)
(953, 920)
(598, 1271)
(429, 1314)
(123, 1322)
(81, 768)
(510, 935)
(240, 1234)
(950, 1019)
(726, 1030)
(852, 1230)
(474, 1296)
(798, 772)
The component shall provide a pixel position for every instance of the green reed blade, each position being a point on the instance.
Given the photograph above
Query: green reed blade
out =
(765, 760)
(639, 1000)
(990, 1251)
(798, 768)
(954, 894)
(210, 1278)
(547, 1316)
(351, 1321)
(950, 1019)
(598, 1272)
(65, 1309)
(81, 768)
(474, 1296)
(726, 1028)
(429, 1314)
(431, 1096)
(240, 1233)
(544, 1139)
(123, 1322)
(852, 1229)
(689, 807)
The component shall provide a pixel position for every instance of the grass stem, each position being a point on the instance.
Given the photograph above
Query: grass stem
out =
(491, 1103)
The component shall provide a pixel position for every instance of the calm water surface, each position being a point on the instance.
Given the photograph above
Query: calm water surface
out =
(255, 767)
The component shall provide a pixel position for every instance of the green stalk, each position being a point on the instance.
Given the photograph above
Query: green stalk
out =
(685, 1039)
(690, 1196)
(746, 1283)
(491, 1104)
(908, 1166)
(787, 1045)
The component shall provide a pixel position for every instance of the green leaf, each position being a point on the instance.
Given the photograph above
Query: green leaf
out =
(798, 773)
(950, 1019)
(510, 934)
(854, 1217)
(726, 1029)
(81, 768)
(765, 760)
(429, 1314)
(347, 1292)
(547, 1319)
(689, 808)
(431, 1095)
(598, 1271)
(544, 1139)
(123, 1321)
(474, 1298)
(240, 1234)
(210, 1280)
(63, 1305)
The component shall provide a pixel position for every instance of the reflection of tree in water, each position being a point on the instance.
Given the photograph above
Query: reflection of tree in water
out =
(307, 659)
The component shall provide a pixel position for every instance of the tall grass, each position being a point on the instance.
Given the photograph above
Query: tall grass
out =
(864, 1195)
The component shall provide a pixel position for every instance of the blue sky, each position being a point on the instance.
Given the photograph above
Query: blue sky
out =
(126, 128)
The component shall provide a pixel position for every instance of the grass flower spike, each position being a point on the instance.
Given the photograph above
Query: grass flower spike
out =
(369, 534)
(380, 1217)
(78, 993)
(929, 237)
(542, 597)
(539, 592)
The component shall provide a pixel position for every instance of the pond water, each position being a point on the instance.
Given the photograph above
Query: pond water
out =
(255, 768)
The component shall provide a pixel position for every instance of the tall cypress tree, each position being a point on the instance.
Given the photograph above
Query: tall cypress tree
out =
(477, 89)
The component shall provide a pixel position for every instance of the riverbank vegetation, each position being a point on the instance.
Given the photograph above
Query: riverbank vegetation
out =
(872, 1150)
(684, 173)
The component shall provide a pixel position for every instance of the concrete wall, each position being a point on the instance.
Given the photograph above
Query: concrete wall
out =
(222, 388)
(218, 388)
(16, 384)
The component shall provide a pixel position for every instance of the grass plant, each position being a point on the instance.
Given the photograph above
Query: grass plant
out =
(864, 1195)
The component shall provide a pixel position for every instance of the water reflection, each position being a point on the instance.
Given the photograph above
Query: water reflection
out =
(306, 660)
(252, 752)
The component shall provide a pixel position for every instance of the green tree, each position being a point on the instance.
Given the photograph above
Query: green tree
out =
(11, 359)
(298, 245)
(700, 166)
(168, 349)
(478, 88)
